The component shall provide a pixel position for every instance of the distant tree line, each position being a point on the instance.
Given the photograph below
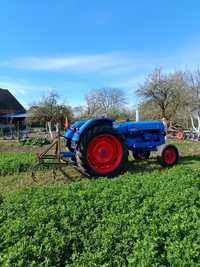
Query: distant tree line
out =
(170, 95)
(49, 113)
(105, 102)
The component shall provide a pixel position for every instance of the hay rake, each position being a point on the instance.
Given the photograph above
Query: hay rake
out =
(53, 158)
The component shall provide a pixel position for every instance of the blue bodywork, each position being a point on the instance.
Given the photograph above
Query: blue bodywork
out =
(70, 132)
(139, 136)
(143, 135)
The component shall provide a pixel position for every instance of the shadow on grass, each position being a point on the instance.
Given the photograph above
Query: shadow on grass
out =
(70, 174)
(18, 181)
(192, 160)
(143, 166)
(146, 166)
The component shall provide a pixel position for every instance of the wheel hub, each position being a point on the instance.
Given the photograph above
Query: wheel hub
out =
(170, 156)
(104, 153)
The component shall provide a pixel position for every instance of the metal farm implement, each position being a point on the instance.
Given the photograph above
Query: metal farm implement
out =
(53, 157)
(100, 147)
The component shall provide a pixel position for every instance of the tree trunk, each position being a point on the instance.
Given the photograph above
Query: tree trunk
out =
(46, 126)
(57, 127)
(49, 129)
(163, 112)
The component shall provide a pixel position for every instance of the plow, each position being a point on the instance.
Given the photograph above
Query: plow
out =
(52, 158)
(100, 147)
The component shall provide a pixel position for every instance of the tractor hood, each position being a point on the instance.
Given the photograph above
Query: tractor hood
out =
(132, 126)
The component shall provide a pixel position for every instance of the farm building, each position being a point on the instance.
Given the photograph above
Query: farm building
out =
(12, 113)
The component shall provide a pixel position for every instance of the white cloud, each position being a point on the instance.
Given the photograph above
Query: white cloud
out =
(77, 63)
(28, 93)
(130, 83)
(19, 87)
(22, 90)
(14, 87)
(108, 63)
(122, 70)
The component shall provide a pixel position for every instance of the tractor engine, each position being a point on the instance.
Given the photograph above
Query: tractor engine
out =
(144, 136)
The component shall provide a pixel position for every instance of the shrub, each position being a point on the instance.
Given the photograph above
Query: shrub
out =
(141, 220)
(35, 141)
(13, 162)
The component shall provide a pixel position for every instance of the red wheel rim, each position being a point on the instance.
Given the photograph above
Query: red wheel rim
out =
(104, 153)
(180, 135)
(170, 156)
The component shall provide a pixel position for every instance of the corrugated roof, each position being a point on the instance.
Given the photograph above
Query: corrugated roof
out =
(9, 104)
(14, 115)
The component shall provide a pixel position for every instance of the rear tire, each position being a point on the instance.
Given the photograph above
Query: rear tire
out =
(169, 156)
(102, 152)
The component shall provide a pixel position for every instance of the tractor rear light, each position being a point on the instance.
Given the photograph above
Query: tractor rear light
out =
(74, 129)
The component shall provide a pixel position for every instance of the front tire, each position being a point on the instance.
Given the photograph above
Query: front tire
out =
(102, 152)
(169, 156)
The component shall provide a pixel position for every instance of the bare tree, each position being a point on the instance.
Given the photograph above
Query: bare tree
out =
(169, 92)
(50, 112)
(92, 105)
(194, 79)
(105, 101)
(79, 112)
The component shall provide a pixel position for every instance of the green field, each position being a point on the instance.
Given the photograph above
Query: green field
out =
(147, 217)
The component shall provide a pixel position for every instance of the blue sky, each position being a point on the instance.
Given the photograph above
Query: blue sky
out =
(72, 46)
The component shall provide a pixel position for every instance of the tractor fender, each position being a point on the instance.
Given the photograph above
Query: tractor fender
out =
(88, 125)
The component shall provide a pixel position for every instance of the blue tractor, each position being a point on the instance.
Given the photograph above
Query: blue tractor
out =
(100, 147)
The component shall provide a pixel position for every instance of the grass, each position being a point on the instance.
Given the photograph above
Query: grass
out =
(147, 217)
(188, 148)
(5, 144)
(11, 163)
(16, 146)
